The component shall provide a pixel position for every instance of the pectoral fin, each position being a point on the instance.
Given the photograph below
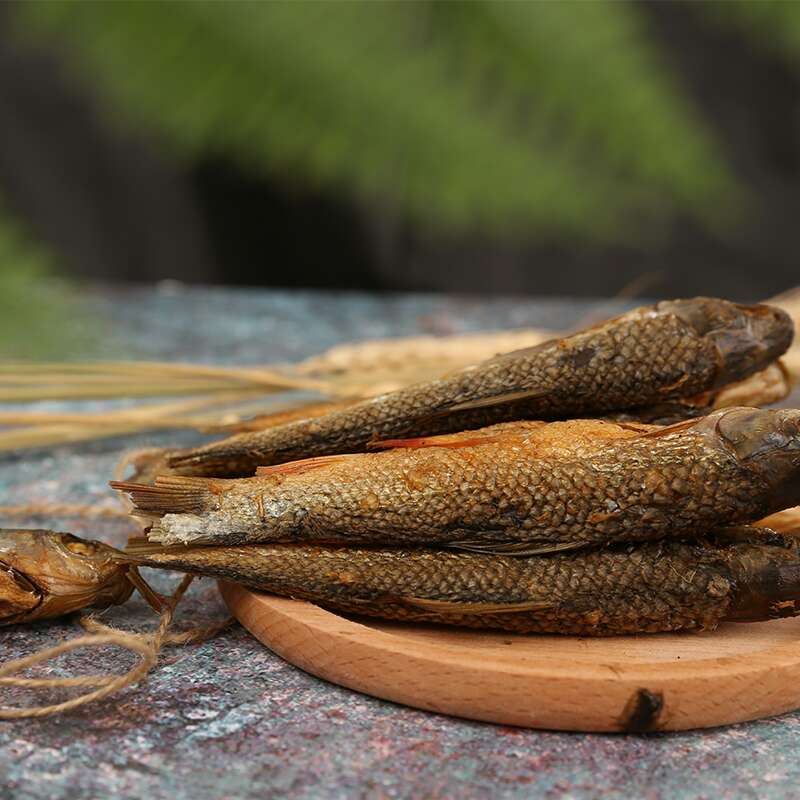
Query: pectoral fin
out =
(302, 465)
(456, 607)
(516, 549)
(495, 400)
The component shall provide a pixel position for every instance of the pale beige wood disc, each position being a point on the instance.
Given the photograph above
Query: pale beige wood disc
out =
(650, 682)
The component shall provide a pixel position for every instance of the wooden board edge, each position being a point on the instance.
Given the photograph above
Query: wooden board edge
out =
(558, 695)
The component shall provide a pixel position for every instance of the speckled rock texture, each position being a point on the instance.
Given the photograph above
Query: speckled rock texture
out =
(228, 718)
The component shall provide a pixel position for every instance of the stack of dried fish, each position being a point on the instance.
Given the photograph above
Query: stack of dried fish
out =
(577, 510)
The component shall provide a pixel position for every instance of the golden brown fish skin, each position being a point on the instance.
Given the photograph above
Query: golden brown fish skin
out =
(551, 486)
(653, 354)
(644, 588)
(44, 574)
(769, 386)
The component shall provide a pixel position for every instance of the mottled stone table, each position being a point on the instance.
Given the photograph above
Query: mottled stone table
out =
(229, 719)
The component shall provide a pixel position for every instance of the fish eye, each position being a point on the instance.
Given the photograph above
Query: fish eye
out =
(78, 546)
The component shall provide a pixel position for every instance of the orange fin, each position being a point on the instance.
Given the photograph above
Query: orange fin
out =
(302, 465)
(171, 494)
(677, 385)
(669, 430)
(456, 607)
(436, 441)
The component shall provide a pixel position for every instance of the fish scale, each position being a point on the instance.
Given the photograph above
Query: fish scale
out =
(675, 349)
(737, 574)
(563, 484)
(648, 587)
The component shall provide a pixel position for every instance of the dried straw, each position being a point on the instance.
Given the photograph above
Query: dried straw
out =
(223, 397)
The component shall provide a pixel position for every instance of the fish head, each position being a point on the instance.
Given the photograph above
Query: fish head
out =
(765, 572)
(45, 574)
(747, 338)
(767, 443)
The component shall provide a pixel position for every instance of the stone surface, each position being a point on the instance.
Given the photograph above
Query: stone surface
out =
(229, 719)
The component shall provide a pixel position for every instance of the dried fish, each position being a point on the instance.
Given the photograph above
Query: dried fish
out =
(45, 574)
(674, 349)
(524, 488)
(738, 575)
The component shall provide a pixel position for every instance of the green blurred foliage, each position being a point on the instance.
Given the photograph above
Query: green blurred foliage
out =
(773, 25)
(542, 119)
(40, 315)
(538, 117)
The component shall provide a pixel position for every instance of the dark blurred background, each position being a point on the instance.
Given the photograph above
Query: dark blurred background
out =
(540, 147)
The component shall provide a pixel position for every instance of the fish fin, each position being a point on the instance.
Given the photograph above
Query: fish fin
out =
(495, 400)
(677, 385)
(457, 607)
(445, 440)
(140, 547)
(636, 427)
(668, 430)
(171, 494)
(155, 600)
(302, 465)
(516, 548)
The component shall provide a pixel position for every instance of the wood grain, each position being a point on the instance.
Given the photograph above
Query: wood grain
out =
(631, 683)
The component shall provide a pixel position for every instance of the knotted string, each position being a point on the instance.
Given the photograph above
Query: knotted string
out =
(146, 645)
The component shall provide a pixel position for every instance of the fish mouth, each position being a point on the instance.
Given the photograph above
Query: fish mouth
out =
(771, 326)
(749, 341)
(755, 432)
(752, 342)
(747, 338)
(767, 442)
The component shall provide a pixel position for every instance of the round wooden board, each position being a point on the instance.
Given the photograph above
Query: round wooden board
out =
(627, 683)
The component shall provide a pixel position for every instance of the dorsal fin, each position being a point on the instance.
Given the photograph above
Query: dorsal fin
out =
(445, 440)
(302, 465)
(678, 427)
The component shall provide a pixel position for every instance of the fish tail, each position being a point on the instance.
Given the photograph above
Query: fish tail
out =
(140, 548)
(171, 494)
(222, 454)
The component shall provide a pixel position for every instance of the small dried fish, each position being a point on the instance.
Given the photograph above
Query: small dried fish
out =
(738, 575)
(674, 349)
(523, 488)
(45, 574)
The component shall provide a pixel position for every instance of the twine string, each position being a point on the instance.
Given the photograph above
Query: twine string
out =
(146, 645)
